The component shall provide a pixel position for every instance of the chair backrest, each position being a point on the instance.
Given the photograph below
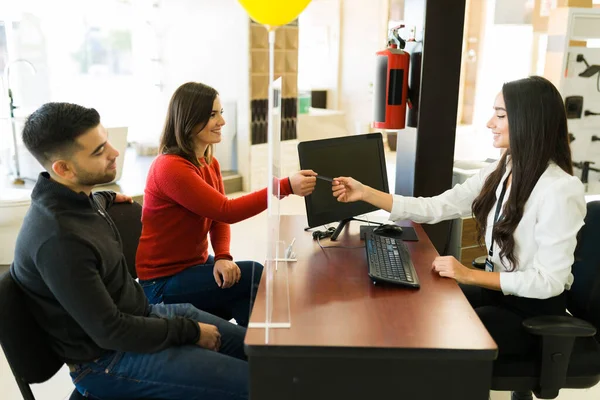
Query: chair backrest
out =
(25, 344)
(583, 300)
(128, 219)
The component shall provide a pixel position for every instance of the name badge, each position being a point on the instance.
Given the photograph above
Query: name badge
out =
(489, 265)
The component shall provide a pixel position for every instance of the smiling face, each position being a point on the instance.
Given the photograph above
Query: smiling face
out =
(211, 133)
(499, 124)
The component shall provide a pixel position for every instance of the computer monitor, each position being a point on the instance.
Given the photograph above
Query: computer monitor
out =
(360, 157)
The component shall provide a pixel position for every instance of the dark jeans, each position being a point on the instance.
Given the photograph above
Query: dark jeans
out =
(503, 316)
(184, 372)
(196, 285)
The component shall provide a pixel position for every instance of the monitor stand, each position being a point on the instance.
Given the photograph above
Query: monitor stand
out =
(343, 223)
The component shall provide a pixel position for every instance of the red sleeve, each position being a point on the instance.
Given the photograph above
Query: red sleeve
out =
(220, 232)
(285, 187)
(178, 180)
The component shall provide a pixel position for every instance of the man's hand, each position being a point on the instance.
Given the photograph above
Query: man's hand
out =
(303, 182)
(348, 190)
(226, 273)
(210, 337)
(121, 198)
(449, 267)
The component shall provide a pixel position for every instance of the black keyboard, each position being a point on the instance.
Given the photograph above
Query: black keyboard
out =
(389, 261)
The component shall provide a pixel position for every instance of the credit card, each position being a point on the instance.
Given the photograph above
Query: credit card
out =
(324, 178)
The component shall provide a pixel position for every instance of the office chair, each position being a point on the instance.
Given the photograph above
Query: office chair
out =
(25, 344)
(128, 219)
(569, 351)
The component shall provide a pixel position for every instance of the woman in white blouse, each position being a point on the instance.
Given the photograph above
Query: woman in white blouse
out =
(531, 235)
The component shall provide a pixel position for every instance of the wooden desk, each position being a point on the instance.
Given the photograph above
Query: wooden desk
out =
(350, 339)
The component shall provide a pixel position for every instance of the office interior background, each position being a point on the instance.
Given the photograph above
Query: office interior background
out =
(125, 58)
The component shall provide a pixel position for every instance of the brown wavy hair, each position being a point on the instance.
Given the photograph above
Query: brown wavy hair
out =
(189, 111)
(538, 134)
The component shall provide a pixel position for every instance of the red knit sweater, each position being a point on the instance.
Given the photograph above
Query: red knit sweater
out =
(182, 205)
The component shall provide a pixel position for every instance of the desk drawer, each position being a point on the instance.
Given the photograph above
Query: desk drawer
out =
(469, 233)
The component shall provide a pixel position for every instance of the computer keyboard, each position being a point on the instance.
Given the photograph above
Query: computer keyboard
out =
(389, 261)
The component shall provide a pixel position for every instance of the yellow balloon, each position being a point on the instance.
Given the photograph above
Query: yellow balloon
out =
(274, 13)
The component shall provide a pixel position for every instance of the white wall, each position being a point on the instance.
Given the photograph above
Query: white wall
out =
(173, 42)
(319, 48)
(364, 32)
(505, 56)
(204, 41)
(49, 38)
(207, 41)
(414, 13)
(338, 40)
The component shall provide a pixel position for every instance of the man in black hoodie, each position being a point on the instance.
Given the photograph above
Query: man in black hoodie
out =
(69, 262)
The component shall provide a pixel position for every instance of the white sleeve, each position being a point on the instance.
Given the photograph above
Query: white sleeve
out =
(453, 203)
(560, 215)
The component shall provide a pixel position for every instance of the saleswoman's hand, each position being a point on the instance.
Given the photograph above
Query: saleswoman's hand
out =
(226, 273)
(348, 190)
(449, 267)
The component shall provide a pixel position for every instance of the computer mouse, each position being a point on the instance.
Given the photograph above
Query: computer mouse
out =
(390, 230)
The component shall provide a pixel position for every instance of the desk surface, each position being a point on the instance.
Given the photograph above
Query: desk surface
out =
(334, 303)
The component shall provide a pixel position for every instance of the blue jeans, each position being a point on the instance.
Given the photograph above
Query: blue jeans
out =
(184, 372)
(196, 285)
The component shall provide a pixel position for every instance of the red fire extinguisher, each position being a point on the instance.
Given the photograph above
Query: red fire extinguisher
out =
(390, 87)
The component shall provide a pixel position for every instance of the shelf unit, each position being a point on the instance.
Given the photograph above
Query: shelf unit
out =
(286, 67)
(569, 31)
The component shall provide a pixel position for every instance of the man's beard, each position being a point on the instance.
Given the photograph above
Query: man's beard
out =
(86, 178)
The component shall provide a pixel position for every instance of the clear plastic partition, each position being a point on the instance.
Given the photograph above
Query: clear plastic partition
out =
(274, 313)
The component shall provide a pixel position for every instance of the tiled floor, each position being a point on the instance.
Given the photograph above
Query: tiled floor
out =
(244, 246)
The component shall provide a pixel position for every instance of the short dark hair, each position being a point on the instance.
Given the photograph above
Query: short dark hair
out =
(51, 130)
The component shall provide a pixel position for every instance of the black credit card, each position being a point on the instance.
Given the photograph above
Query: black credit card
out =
(324, 178)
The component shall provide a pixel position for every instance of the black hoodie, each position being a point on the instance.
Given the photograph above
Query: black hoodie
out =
(70, 263)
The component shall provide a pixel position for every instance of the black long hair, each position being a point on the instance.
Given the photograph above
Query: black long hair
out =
(538, 134)
(190, 106)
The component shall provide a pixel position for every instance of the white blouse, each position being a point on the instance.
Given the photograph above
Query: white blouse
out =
(545, 238)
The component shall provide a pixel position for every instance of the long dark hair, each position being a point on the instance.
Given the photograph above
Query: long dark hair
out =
(538, 134)
(189, 111)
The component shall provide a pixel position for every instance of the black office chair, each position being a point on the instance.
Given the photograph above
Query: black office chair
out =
(569, 352)
(128, 219)
(25, 344)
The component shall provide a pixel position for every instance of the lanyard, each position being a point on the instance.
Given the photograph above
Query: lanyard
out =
(497, 214)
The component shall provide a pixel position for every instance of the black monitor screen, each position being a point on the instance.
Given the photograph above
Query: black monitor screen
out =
(360, 157)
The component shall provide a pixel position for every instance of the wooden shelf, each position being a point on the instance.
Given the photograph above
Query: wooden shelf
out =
(285, 66)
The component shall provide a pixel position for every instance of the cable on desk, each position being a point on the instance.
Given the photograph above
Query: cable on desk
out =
(369, 222)
(308, 228)
(336, 247)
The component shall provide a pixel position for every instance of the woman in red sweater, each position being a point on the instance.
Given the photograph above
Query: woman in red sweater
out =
(185, 202)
